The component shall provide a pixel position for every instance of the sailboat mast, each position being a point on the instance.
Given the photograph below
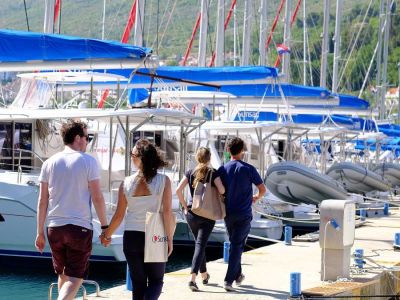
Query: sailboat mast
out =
(336, 51)
(325, 44)
(263, 32)
(385, 61)
(104, 20)
(286, 41)
(379, 56)
(48, 26)
(203, 34)
(139, 24)
(219, 41)
(246, 32)
(234, 36)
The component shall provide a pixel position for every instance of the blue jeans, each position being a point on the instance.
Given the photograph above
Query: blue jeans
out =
(238, 227)
(147, 278)
(201, 229)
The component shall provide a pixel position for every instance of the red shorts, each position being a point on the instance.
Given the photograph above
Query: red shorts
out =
(71, 246)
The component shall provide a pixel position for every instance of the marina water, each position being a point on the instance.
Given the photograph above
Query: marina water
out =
(27, 279)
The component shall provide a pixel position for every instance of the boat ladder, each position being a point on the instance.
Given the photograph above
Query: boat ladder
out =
(84, 293)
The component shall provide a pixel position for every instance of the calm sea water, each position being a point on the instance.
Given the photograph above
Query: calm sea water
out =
(27, 279)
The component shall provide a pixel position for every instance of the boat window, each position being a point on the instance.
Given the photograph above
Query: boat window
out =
(15, 146)
(1, 218)
(154, 137)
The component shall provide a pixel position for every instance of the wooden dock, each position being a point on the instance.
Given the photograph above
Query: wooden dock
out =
(268, 269)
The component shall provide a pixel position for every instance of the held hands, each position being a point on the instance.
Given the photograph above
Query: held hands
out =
(105, 241)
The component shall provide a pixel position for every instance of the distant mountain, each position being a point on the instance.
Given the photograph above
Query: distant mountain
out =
(168, 25)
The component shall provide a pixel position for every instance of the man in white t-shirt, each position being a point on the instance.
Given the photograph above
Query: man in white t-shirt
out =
(69, 183)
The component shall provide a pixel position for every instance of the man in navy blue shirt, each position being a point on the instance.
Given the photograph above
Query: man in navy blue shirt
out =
(238, 178)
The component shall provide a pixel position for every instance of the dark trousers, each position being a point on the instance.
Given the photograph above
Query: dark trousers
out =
(201, 229)
(238, 229)
(147, 278)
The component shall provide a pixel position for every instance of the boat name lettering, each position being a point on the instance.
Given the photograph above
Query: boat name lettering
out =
(248, 114)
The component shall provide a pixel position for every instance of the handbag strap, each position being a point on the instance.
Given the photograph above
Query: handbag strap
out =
(210, 172)
(162, 191)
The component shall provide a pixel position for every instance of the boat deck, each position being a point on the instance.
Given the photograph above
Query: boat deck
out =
(268, 269)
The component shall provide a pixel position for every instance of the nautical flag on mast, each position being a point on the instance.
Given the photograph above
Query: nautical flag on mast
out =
(281, 48)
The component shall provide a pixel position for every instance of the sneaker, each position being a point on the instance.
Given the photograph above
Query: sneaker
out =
(205, 281)
(240, 279)
(228, 287)
(193, 286)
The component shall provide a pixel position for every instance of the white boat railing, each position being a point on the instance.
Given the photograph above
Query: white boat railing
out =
(84, 292)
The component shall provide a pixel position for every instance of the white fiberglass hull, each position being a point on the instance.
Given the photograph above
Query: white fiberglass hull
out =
(18, 226)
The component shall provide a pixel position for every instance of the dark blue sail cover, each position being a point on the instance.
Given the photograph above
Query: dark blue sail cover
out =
(21, 46)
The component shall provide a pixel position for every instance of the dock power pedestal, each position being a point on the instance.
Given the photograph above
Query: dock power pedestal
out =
(336, 237)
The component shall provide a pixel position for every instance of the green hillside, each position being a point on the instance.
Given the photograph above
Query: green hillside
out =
(168, 25)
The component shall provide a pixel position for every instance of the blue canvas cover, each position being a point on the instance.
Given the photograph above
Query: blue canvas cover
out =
(21, 46)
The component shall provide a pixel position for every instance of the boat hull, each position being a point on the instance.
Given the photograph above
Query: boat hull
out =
(295, 183)
(357, 179)
(389, 171)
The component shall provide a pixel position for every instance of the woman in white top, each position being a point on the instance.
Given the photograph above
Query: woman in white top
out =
(137, 195)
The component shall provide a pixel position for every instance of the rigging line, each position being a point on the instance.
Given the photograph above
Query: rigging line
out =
(26, 16)
(150, 12)
(309, 58)
(355, 42)
(59, 17)
(169, 20)
(116, 17)
(158, 22)
(157, 38)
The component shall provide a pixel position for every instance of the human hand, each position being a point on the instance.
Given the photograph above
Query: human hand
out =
(170, 247)
(255, 199)
(105, 241)
(40, 242)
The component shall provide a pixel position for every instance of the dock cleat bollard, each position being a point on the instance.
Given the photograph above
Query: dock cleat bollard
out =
(358, 258)
(295, 284)
(288, 235)
(396, 244)
(227, 246)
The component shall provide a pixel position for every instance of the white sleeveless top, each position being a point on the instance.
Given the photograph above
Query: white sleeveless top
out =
(138, 206)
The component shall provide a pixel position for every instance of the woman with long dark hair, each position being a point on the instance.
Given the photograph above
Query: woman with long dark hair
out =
(201, 227)
(138, 194)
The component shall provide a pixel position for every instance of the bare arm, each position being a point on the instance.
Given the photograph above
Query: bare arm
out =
(219, 185)
(98, 201)
(43, 204)
(261, 192)
(167, 213)
(119, 213)
(179, 193)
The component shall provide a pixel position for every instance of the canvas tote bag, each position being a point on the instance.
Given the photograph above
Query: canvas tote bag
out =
(207, 201)
(156, 238)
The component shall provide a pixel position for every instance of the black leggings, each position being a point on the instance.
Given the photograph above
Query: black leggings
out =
(147, 278)
(201, 229)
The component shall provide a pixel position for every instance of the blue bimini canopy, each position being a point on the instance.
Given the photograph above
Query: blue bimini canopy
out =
(23, 51)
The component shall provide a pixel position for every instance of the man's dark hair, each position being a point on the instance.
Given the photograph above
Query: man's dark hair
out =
(235, 145)
(71, 129)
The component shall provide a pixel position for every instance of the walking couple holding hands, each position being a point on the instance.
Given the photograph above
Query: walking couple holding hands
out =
(234, 181)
